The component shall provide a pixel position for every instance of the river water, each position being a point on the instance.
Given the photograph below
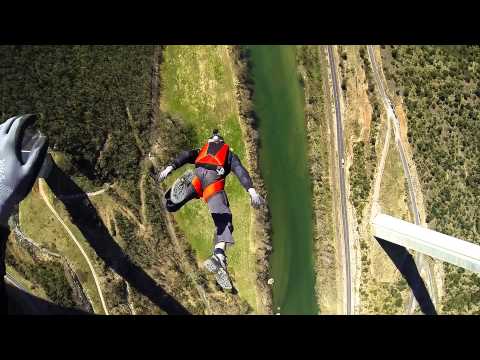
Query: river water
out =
(279, 104)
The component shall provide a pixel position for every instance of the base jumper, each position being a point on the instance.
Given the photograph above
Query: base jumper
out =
(213, 162)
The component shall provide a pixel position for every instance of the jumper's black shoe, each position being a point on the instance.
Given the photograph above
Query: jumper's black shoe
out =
(218, 265)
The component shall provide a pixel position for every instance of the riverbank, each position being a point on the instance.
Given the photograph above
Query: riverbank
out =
(328, 286)
(261, 226)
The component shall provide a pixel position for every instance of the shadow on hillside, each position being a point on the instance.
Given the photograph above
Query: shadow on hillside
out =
(405, 263)
(86, 218)
(22, 303)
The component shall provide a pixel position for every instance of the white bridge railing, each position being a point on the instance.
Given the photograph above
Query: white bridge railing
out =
(437, 245)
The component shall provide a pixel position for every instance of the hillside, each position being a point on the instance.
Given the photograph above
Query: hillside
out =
(97, 208)
(439, 87)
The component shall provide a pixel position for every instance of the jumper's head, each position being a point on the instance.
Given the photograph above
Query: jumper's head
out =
(215, 137)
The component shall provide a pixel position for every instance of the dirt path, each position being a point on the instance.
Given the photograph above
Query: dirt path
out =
(89, 194)
(130, 304)
(72, 236)
(128, 213)
(138, 141)
(142, 199)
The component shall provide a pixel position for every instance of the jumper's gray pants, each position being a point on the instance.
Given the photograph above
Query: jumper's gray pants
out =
(217, 204)
(222, 218)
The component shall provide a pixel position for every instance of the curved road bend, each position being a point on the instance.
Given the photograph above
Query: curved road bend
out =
(9, 279)
(341, 171)
(419, 259)
(15, 283)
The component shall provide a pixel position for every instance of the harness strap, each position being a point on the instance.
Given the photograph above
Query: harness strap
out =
(213, 188)
(197, 185)
(210, 190)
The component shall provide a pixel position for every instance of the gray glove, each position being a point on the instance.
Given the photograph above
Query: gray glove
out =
(165, 173)
(17, 177)
(257, 200)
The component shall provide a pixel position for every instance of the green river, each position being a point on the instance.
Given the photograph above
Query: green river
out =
(279, 104)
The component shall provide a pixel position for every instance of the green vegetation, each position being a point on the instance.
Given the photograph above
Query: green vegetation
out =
(198, 90)
(50, 276)
(343, 64)
(312, 66)
(440, 86)
(360, 182)
(389, 297)
(393, 189)
(24, 282)
(138, 251)
(44, 278)
(364, 151)
(81, 94)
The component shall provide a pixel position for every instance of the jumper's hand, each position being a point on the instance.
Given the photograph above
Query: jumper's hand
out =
(165, 173)
(257, 200)
(16, 177)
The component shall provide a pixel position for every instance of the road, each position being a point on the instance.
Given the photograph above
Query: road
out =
(419, 258)
(10, 278)
(341, 171)
(72, 236)
(27, 295)
(14, 282)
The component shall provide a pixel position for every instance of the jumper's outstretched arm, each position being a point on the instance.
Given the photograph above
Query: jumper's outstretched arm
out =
(245, 179)
(17, 177)
(185, 157)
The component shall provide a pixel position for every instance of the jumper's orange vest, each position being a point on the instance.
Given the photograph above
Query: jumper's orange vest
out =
(210, 161)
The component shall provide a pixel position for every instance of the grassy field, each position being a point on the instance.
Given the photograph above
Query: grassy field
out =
(389, 291)
(393, 194)
(198, 87)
